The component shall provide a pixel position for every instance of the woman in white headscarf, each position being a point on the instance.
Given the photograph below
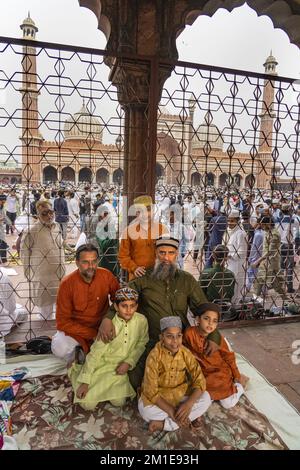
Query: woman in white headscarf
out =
(236, 241)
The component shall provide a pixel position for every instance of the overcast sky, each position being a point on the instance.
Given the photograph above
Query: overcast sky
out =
(239, 39)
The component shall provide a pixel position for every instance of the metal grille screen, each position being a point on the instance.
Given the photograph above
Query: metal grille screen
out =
(227, 154)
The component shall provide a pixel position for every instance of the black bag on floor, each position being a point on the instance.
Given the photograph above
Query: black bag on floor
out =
(39, 345)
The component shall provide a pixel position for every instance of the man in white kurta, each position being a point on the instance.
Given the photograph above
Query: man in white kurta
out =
(11, 313)
(43, 259)
(73, 208)
(236, 241)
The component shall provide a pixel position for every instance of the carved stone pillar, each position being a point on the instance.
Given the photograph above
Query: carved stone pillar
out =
(139, 88)
(138, 34)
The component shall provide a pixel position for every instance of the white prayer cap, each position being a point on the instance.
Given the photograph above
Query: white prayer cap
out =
(234, 213)
(102, 209)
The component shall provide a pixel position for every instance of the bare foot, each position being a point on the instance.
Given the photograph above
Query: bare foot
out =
(156, 426)
(244, 380)
(184, 423)
(197, 423)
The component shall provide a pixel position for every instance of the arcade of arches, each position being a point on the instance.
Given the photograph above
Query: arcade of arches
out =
(85, 175)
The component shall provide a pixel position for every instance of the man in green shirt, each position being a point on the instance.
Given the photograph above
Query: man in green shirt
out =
(164, 290)
(218, 282)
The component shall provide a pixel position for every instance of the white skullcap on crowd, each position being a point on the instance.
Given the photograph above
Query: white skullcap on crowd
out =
(234, 213)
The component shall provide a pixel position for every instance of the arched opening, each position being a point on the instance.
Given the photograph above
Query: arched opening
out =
(249, 181)
(159, 172)
(195, 179)
(85, 175)
(167, 155)
(68, 174)
(237, 180)
(240, 140)
(49, 174)
(13, 180)
(210, 179)
(102, 176)
(283, 14)
(118, 176)
(223, 179)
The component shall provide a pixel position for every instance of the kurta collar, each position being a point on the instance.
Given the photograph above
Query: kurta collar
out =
(166, 351)
(121, 321)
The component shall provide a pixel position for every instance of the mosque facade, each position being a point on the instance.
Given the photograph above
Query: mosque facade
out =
(186, 154)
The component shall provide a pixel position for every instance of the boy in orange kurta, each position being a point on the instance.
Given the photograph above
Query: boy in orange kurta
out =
(137, 245)
(223, 379)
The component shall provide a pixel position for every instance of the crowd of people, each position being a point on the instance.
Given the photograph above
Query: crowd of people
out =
(132, 318)
(259, 234)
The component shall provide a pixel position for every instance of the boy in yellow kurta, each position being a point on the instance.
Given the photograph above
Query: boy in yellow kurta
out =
(104, 375)
(173, 390)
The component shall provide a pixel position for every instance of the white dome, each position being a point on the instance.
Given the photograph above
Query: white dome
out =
(207, 134)
(28, 21)
(83, 126)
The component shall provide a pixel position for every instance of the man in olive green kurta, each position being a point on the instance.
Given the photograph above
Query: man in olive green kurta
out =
(218, 282)
(163, 291)
(269, 271)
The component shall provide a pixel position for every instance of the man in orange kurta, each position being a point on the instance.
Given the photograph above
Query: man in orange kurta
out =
(137, 245)
(82, 302)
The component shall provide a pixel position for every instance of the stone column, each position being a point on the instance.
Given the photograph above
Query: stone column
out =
(139, 89)
(140, 33)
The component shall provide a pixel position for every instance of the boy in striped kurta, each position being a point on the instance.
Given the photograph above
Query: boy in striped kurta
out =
(103, 377)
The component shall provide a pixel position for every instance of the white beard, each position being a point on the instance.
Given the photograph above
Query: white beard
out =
(163, 271)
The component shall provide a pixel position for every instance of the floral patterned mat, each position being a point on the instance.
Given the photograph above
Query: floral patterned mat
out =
(44, 418)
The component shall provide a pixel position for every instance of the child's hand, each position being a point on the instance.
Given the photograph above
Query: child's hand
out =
(122, 368)
(171, 412)
(183, 412)
(82, 390)
(210, 347)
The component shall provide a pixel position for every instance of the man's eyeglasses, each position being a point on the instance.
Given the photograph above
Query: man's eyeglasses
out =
(49, 212)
